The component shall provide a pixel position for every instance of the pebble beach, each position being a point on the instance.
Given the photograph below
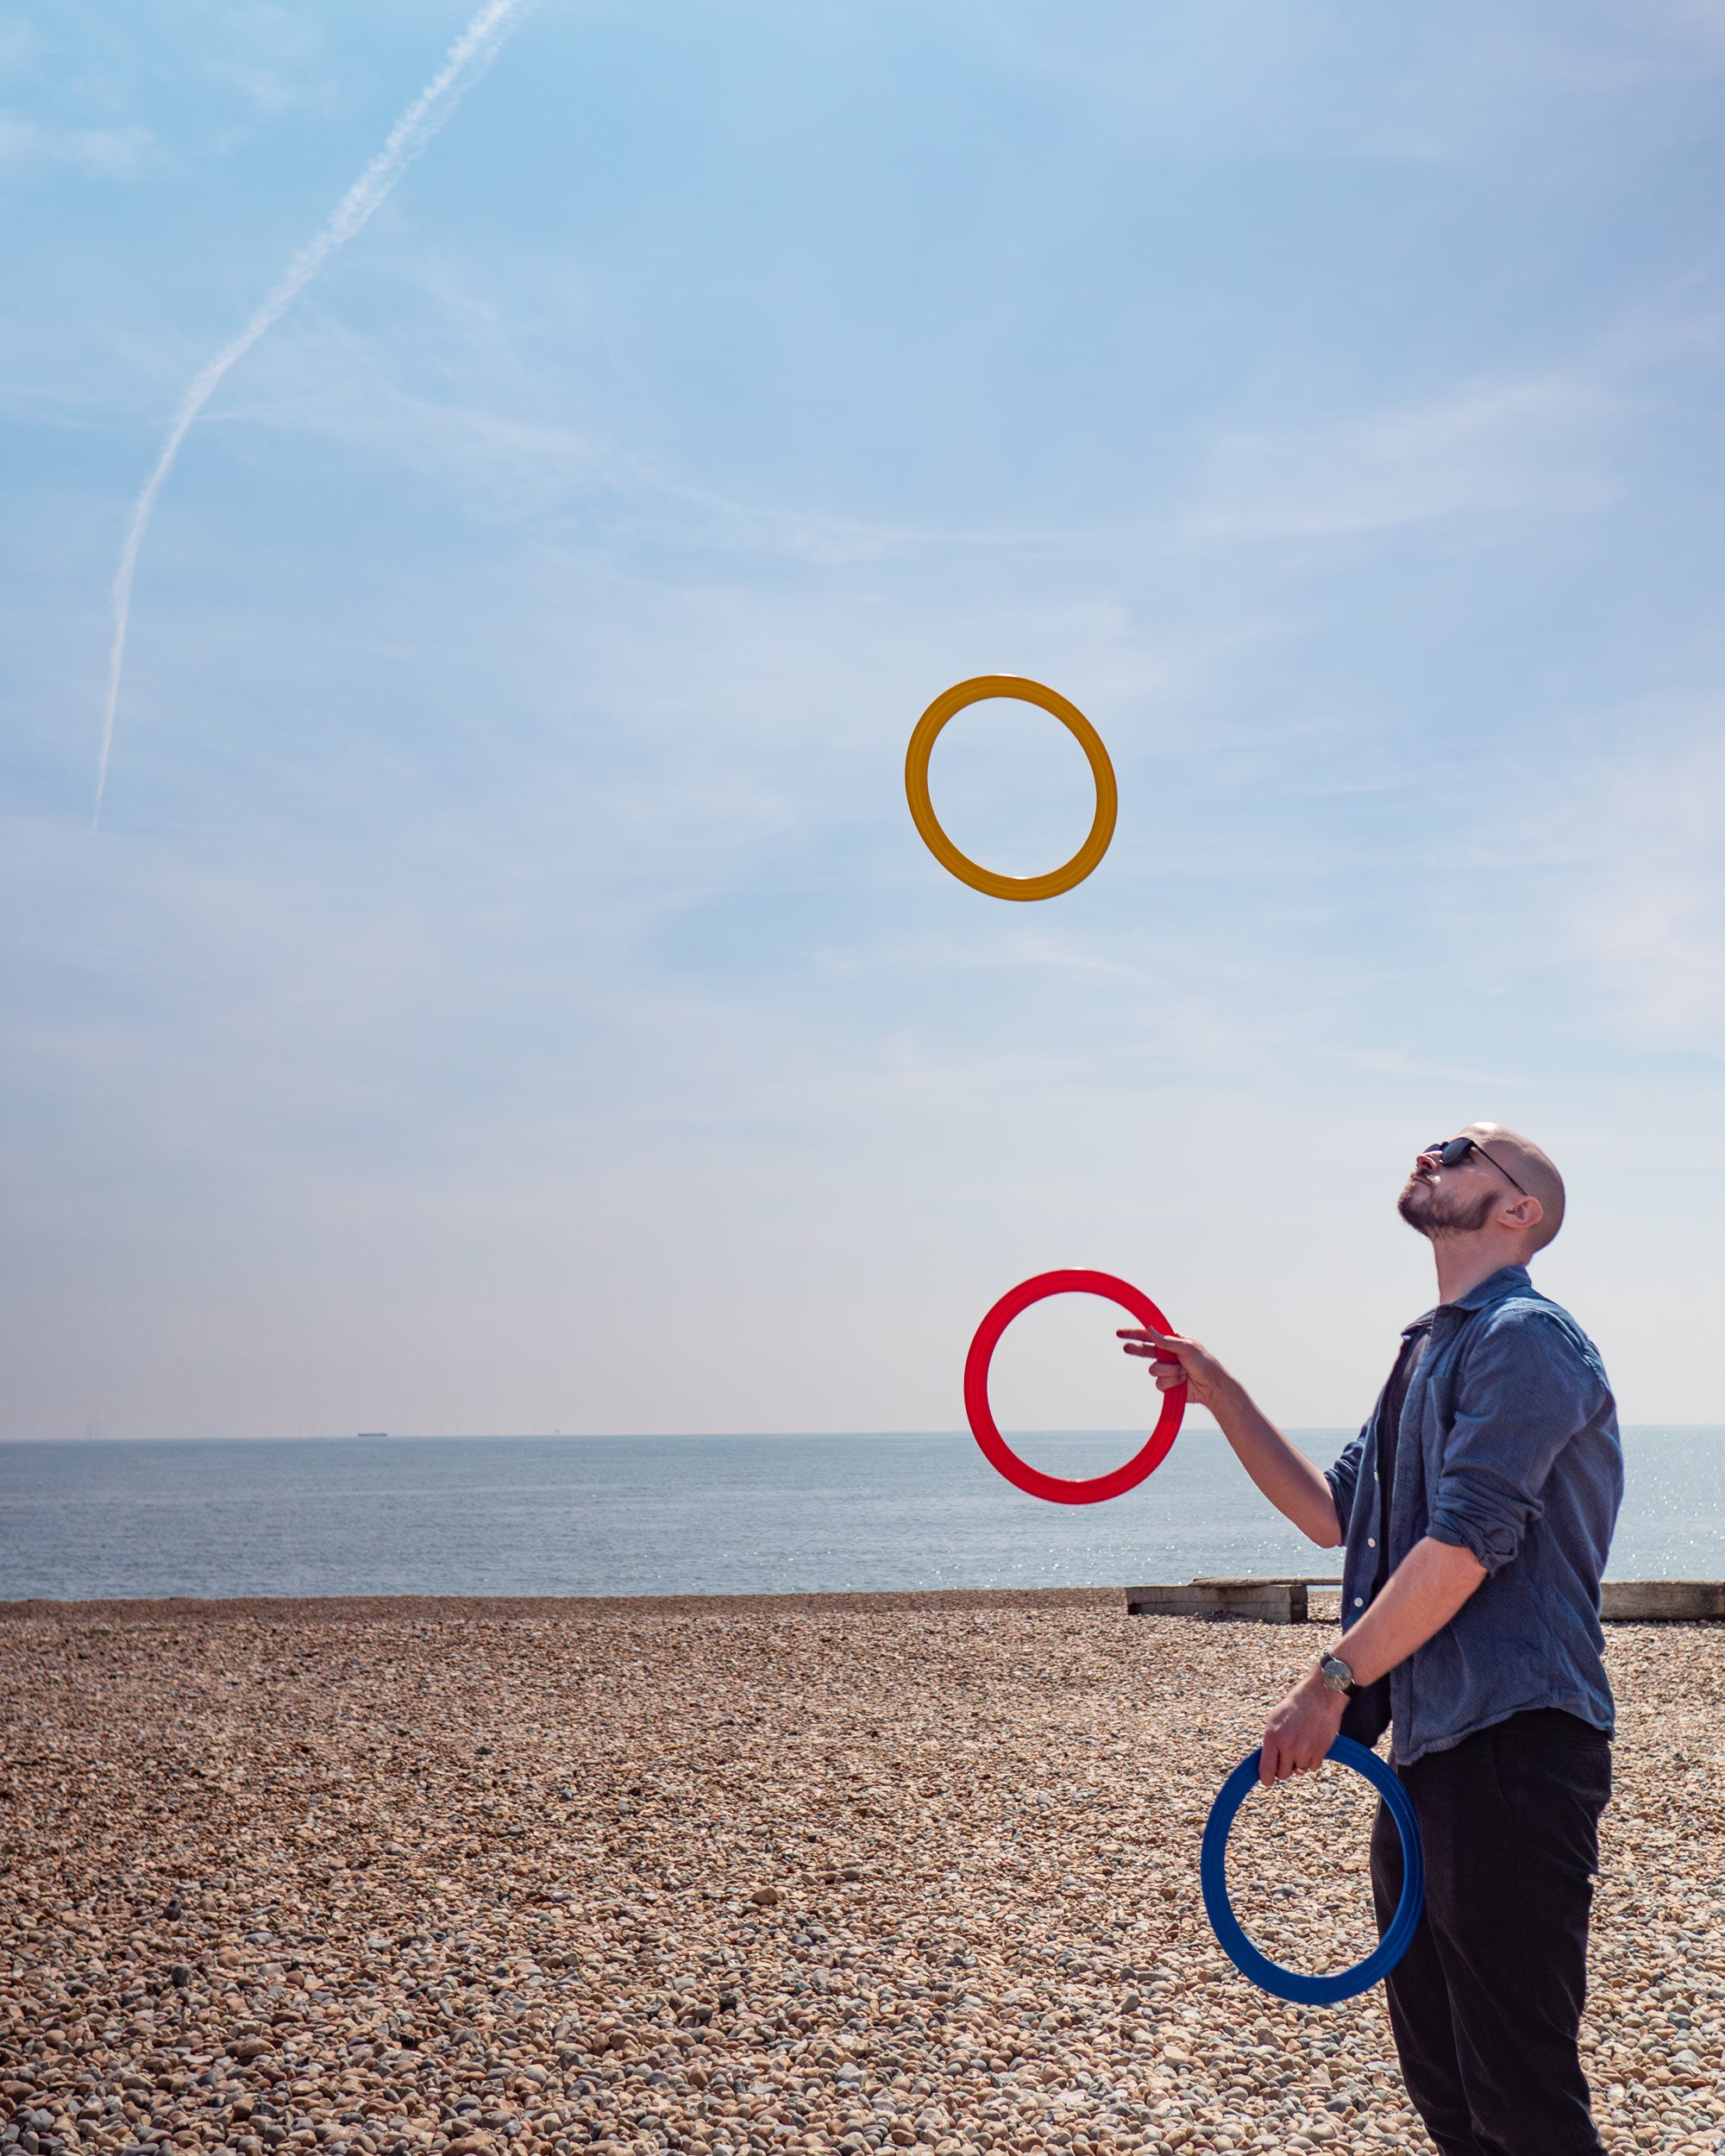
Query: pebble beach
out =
(842, 1872)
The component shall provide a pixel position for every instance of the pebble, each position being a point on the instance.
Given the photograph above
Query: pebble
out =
(737, 1876)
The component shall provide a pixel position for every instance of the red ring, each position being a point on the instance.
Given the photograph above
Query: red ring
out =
(1058, 1489)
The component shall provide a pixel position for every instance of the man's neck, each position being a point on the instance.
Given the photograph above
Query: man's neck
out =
(1464, 1261)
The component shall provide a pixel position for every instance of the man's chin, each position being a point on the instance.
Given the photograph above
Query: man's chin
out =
(1415, 1204)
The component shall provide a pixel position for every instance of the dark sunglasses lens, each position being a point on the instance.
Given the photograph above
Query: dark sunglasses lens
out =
(1455, 1152)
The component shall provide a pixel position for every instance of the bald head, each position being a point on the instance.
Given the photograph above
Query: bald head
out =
(1522, 1160)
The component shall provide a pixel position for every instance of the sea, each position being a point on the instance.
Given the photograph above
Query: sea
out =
(97, 1519)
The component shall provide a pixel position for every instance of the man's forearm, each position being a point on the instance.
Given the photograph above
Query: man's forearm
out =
(1418, 1599)
(1280, 1471)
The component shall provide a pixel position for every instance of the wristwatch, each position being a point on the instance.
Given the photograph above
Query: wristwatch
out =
(1335, 1673)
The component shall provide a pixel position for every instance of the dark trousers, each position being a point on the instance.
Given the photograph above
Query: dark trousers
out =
(1486, 2002)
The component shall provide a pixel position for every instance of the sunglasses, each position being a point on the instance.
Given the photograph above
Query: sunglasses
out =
(1454, 1151)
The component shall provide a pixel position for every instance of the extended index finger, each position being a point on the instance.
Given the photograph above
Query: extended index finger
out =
(1143, 1332)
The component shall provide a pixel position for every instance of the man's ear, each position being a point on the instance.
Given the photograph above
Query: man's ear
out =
(1528, 1211)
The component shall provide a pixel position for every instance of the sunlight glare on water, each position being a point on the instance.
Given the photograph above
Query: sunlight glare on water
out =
(701, 1515)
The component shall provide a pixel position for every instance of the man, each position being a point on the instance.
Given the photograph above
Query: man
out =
(1476, 1506)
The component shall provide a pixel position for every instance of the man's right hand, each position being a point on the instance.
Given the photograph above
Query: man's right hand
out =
(1175, 1360)
(1281, 1472)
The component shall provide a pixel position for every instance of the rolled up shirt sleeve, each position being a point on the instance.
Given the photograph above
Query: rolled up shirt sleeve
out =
(1344, 1480)
(1526, 1388)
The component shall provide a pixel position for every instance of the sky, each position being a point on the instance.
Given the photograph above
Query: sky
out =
(505, 991)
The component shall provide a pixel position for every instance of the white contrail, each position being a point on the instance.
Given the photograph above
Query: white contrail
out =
(472, 52)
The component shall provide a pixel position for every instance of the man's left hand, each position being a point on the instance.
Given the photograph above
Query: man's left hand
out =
(1300, 1732)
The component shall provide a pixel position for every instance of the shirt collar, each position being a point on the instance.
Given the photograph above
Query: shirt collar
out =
(1507, 1279)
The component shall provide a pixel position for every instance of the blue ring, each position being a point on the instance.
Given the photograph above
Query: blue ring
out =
(1270, 1976)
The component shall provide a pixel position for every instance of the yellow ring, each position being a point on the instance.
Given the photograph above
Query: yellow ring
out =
(947, 705)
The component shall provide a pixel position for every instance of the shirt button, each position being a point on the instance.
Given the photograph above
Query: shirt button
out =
(1372, 1542)
(1360, 1601)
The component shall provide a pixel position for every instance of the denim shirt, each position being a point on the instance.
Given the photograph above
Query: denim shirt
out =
(1508, 1447)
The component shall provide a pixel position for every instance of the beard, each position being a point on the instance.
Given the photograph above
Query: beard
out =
(1429, 1213)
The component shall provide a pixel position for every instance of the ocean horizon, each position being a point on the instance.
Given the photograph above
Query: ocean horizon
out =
(95, 1518)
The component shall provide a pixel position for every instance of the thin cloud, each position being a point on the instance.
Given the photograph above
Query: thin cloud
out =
(1490, 447)
(96, 152)
(1646, 919)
